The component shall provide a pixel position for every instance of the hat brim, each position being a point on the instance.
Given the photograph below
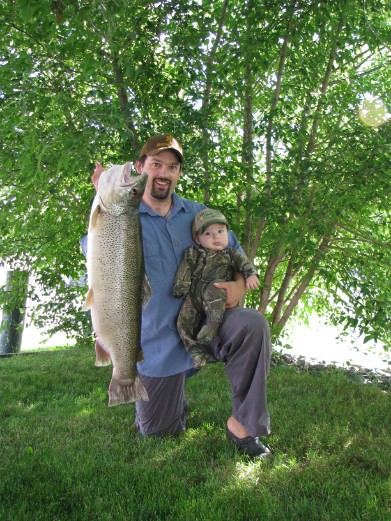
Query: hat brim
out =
(209, 223)
(162, 149)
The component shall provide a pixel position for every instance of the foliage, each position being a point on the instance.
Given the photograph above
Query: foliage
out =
(67, 456)
(264, 97)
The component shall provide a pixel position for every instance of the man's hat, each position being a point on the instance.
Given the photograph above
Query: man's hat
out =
(156, 144)
(205, 218)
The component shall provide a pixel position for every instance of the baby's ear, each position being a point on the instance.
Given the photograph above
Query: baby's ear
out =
(96, 175)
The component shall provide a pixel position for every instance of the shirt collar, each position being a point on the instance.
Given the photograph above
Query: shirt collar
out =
(179, 204)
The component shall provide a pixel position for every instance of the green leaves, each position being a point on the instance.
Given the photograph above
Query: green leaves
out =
(264, 98)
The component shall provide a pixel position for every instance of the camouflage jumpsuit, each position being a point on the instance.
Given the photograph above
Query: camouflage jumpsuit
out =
(198, 271)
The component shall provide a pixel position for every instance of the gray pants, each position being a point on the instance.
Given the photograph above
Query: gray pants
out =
(243, 344)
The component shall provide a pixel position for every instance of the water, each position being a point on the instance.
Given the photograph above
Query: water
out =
(319, 342)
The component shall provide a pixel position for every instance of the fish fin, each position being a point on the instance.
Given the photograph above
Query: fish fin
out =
(94, 217)
(102, 357)
(89, 300)
(147, 291)
(126, 391)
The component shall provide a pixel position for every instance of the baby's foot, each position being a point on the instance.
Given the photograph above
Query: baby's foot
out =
(199, 356)
(207, 333)
(199, 361)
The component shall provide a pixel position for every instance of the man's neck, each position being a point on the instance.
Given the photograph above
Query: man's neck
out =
(160, 206)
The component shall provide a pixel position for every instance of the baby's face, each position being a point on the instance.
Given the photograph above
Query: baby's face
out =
(215, 237)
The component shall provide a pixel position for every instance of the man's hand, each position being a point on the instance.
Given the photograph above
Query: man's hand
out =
(235, 290)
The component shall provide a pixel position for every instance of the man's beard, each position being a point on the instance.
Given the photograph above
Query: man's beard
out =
(159, 193)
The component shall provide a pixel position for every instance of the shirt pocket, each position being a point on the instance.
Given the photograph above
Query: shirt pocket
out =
(153, 261)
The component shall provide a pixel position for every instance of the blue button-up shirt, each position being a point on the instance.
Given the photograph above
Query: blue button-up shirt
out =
(164, 242)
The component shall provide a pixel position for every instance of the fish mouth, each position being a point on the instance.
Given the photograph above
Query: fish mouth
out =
(127, 179)
(128, 182)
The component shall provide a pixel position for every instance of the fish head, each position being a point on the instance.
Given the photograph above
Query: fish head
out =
(118, 191)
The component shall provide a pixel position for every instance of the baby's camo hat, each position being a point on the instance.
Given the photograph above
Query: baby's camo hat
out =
(205, 218)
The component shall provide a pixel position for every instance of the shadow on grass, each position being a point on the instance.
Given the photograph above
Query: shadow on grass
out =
(66, 455)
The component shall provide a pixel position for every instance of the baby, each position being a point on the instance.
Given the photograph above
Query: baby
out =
(206, 262)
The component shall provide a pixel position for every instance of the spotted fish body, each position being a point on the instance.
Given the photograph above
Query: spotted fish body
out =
(116, 279)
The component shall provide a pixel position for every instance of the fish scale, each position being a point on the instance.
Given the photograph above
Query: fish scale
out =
(116, 280)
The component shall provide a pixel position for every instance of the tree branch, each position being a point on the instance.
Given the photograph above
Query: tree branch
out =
(305, 281)
(276, 315)
(124, 103)
(273, 264)
(323, 90)
(206, 100)
(269, 130)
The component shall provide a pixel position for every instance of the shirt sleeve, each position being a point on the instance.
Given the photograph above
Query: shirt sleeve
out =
(242, 264)
(233, 242)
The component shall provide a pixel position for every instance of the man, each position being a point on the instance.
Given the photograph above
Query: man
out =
(243, 341)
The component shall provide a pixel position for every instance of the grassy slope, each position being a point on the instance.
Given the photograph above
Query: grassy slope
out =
(66, 456)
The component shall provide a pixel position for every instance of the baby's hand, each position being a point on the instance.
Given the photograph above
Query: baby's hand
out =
(252, 282)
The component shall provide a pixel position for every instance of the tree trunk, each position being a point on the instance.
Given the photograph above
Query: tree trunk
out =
(248, 155)
(14, 312)
(269, 131)
(205, 107)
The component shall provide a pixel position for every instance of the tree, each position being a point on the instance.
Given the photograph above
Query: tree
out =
(264, 97)
(14, 312)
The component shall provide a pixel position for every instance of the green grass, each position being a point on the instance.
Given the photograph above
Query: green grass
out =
(66, 456)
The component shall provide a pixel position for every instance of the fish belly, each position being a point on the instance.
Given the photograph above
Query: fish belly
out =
(116, 272)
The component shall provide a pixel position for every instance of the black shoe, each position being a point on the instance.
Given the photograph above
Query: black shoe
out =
(250, 446)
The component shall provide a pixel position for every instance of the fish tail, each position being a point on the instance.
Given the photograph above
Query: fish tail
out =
(126, 391)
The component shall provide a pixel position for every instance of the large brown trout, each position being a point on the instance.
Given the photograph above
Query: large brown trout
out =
(116, 279)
